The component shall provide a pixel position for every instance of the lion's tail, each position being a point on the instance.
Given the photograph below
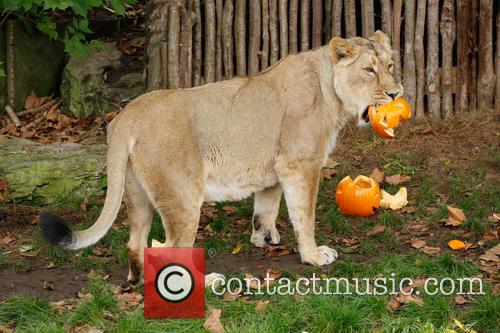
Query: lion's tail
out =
(56, 231)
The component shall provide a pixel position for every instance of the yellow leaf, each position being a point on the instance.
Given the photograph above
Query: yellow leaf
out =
(456, 244)
(237, 249)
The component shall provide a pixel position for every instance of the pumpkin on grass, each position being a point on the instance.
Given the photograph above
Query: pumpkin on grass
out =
(358, 197)
(384, 118)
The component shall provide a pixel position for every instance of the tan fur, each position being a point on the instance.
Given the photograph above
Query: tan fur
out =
(224, 141)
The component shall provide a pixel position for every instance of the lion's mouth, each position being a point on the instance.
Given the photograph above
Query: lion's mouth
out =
(365, 115)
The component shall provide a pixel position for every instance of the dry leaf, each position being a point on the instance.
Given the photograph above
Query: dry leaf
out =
(397, 179)
(34, 101)
(129, 300)
(7, 240)
(460, 300)
(229, 210)
(3, 189)
(84, 204)
(273, 273)
(456, 244)
(237, 249)
(492, 218)
(101, 252)
(418, 243)
(377, 175)
(230, 297)
(455, 213)
(212, 278)
(430, 250)
(49, 285)
(261, 306)
(396, 201)
(276, 250)
(213, 323)
(396, 302)
(51, 265)
(251, 281)
(378, 229)
(352, 243)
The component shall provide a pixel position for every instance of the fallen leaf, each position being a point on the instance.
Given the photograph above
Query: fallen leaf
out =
(49, 285)
(51, 265)
(396, 201)
(230, 297)
(456, 244)
(84, 204)
(428, 131)
(129, 300)
(460, 300)
(34, 101)
(377, 229)
(455, 214)
(101, 252)
(213, 278)
(352, 243)
(396, 302)
(492, 218)
(251, 281)
(397, 179)
(7, 240)
(377, 175)
(237, 249)
(230, 210)
(273, 273)
(3, 189)
(495, 249)
(26, 248)
(276, 250)
(213, 323)
(327, 173)
(85, 329)
(430, 250)
(5, 329)
(418, 243)
(261, 306)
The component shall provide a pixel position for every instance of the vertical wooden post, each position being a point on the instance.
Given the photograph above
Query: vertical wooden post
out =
(473, 41)
(273, 30)
(367, 18)
(433, 85)
(350, 18)
(396, 38)
(293, 13)
(240, 37)
(219, 71)
(210, 35)
(264, 63)
(156, 31)
(185, 53)
(304, 24)
(337, 18)
(420, 57)
(317, 22)
(447, 28)
(463, 55)
(486, 82)
(327, 22)
(227, 38)
(387, 17)
(283, 22)
(254, 40)
(409, 78)
(173, 46)
(197, 46)
(497, 65)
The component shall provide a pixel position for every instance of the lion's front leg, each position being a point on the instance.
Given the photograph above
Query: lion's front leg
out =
(266, 208)
(300, 181)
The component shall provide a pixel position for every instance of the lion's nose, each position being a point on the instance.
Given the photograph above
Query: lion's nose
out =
(392, 94)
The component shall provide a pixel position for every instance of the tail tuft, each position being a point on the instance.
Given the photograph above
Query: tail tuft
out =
(55, 230)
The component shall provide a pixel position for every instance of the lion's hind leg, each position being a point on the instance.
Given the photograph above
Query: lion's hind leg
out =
(266, 209)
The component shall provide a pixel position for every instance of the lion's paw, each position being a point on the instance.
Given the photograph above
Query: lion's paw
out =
(322, 256)
(262, 237)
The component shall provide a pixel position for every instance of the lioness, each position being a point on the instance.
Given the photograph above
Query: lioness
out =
(170, 150)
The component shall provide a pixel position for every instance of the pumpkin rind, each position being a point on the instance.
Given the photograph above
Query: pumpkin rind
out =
(384, 118)
(358, 197)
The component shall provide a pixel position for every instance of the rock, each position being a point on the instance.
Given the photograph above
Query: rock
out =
(97, 84)
(43, 174)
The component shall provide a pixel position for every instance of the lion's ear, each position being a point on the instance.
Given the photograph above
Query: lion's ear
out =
(342, 48)
(382, 38)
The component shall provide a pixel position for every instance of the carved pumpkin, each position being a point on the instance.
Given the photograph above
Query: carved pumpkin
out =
(384, 118)
(358, 197)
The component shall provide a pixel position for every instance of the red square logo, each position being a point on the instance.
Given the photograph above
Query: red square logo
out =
(174, 283)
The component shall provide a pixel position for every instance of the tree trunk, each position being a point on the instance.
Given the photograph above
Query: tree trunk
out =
(304, 24)
(156, 31)
(210, 37)
(273, 30)
(463, 55)
(409, 79)
(283, 21)
(433, 85)
(448, 36)
(327, 24)
(240, 37)
(420, 58)
(350, 18)
(473, 41)
(292, 31)
(219, 69)
(486, 82)
(174, 28)
(265, 35)
(497, 65)
(186, 45)
(367, 18)
(396, 38)
(197, 46)
(337, 18)
(227, 38)
(254, 43)
(317, 23)
(387, 17)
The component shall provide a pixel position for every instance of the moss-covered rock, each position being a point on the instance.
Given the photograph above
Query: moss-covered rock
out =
(44, 174)
(85, 90)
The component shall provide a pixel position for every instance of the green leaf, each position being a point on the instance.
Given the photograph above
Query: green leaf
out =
(118, 6)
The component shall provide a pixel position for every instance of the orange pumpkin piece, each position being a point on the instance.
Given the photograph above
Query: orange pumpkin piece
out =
(358, 197)
(456, 245)
(384, 118)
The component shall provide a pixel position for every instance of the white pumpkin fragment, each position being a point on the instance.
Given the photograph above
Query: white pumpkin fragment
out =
(396, 201)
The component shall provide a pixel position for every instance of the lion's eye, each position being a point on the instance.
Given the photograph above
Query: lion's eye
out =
(370, 70)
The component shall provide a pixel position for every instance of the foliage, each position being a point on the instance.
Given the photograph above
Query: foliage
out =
(44, 15)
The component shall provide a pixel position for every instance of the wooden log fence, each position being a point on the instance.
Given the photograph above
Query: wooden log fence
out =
(446, 52)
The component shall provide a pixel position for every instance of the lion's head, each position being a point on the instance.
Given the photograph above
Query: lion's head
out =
(363, 73)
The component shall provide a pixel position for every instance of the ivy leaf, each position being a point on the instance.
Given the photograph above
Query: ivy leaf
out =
(118, 6)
